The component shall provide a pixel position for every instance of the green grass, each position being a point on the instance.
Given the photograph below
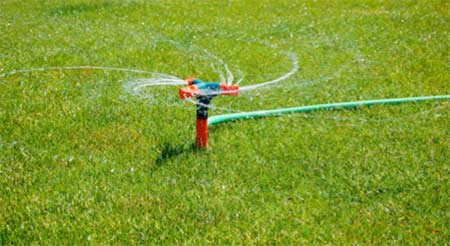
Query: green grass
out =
(82, 161)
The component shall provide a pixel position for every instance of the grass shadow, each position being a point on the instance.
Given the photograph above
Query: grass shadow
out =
(169, 151)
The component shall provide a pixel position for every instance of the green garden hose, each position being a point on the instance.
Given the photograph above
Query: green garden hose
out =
(214, 120)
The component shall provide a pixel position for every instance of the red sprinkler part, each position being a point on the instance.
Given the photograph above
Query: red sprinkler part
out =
(204, 92)
(201, 139)
(229, 90)
(187, 92)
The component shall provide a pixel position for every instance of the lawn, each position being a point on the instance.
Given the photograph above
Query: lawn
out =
(83, 160)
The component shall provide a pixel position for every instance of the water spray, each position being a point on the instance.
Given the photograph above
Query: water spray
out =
(204, 92)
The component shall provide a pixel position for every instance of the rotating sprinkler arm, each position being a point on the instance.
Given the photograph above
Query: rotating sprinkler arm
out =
(198, 88)
(205, 92)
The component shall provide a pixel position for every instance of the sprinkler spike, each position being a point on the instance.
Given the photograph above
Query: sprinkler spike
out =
(205, 92)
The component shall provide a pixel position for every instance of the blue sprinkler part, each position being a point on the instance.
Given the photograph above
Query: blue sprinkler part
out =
(206, 87)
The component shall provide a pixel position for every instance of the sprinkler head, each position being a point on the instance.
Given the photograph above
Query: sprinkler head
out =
(196, 88)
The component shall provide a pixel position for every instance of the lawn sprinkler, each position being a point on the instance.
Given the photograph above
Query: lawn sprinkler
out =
(205, 92)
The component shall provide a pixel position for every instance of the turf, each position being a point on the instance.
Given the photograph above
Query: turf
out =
(83, 161)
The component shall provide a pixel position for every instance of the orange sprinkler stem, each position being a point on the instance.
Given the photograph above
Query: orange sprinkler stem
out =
(202, 121)
(202, 133)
